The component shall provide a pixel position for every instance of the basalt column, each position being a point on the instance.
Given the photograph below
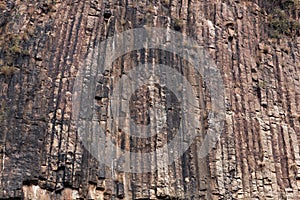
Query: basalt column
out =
(46, 44)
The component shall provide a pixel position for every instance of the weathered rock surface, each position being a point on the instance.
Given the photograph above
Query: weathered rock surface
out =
(45, 43)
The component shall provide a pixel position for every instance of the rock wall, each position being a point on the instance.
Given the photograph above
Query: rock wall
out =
(45, 43)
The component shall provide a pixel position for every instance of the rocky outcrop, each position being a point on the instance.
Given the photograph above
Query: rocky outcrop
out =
(45, 43)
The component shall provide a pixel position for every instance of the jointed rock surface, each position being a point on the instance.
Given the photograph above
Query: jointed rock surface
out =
(43, 44)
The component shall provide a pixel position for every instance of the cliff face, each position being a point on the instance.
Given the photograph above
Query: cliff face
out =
(254, 44)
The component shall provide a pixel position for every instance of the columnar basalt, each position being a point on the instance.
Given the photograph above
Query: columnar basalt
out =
(43, 45)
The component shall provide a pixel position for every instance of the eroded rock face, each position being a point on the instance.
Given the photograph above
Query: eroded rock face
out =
(41, 155)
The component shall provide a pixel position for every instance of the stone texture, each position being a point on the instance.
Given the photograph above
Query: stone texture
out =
(257, 156)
